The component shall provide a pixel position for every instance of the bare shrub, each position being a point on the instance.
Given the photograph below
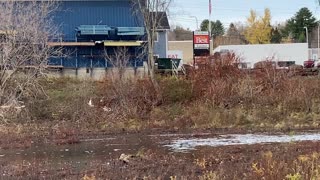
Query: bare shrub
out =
(301, 93)
(215, 80)
(269, 83)
(222, 83)
(25, 29)
(135, 99)
(119, 59)
(128, 99)
(153, 12)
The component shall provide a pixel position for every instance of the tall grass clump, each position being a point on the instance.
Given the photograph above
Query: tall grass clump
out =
(265, 96)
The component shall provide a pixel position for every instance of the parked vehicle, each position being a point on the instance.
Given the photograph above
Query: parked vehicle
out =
(309, 63)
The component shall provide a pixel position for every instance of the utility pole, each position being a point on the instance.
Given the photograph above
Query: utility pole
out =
(318, 4)
(197, 22)
(307, 35)
(209, 28)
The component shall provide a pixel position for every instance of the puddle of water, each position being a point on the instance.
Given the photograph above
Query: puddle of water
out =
(79, 155)
(99, 139)
(185, 145)
(87, 150)
(178, 135)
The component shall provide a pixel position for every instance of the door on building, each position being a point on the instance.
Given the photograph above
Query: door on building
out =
(315, 57)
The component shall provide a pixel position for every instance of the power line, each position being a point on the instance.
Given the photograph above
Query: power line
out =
(238, 9)
(190, 20)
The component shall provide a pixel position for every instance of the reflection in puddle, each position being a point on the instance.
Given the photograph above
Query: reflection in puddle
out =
(183, 145)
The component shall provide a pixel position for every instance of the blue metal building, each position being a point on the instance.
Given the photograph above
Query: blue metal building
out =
(161, 43)
(91, 29)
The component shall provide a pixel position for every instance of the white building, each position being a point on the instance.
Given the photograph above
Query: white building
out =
(295, 53)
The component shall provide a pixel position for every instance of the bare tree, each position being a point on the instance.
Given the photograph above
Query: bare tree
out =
(119, 59)
(180, 34)
(152, 12)
(25, 30)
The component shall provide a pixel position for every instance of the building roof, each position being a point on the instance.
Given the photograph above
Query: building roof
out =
(162, 19)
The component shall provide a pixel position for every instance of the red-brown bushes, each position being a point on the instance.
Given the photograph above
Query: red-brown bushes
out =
(133, 98)
(216, 79)
(269, 84)
(136, 98)
(218, 94)
(221, 82)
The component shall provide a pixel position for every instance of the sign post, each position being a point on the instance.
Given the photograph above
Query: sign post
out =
(201, 45)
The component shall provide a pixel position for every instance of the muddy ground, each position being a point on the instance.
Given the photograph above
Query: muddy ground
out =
(145, 156)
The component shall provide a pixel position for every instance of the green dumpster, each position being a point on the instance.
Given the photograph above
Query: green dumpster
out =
(166, 63)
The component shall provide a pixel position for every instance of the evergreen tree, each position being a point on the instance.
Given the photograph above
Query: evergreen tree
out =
(295, 26)
(217, 28)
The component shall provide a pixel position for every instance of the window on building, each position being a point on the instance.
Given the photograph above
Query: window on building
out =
(243, 65)
(286, 63)
(315, 57)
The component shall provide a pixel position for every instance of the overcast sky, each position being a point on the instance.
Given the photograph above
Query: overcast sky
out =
(183, 12)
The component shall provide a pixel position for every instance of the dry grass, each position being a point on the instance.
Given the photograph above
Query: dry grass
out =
(230, 97)
(218, 95)
(304, 167)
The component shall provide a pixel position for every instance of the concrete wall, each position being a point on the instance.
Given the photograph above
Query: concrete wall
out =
(161, 45)
(100, 73)
(252, 54)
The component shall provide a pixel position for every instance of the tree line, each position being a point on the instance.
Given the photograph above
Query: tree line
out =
(257, 29)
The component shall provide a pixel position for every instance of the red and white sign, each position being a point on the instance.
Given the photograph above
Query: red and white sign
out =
(201, 46)
(201, 40)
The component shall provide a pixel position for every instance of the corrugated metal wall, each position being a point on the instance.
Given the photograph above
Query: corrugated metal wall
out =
(72, 14)
(93, 57)
(160, 46)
